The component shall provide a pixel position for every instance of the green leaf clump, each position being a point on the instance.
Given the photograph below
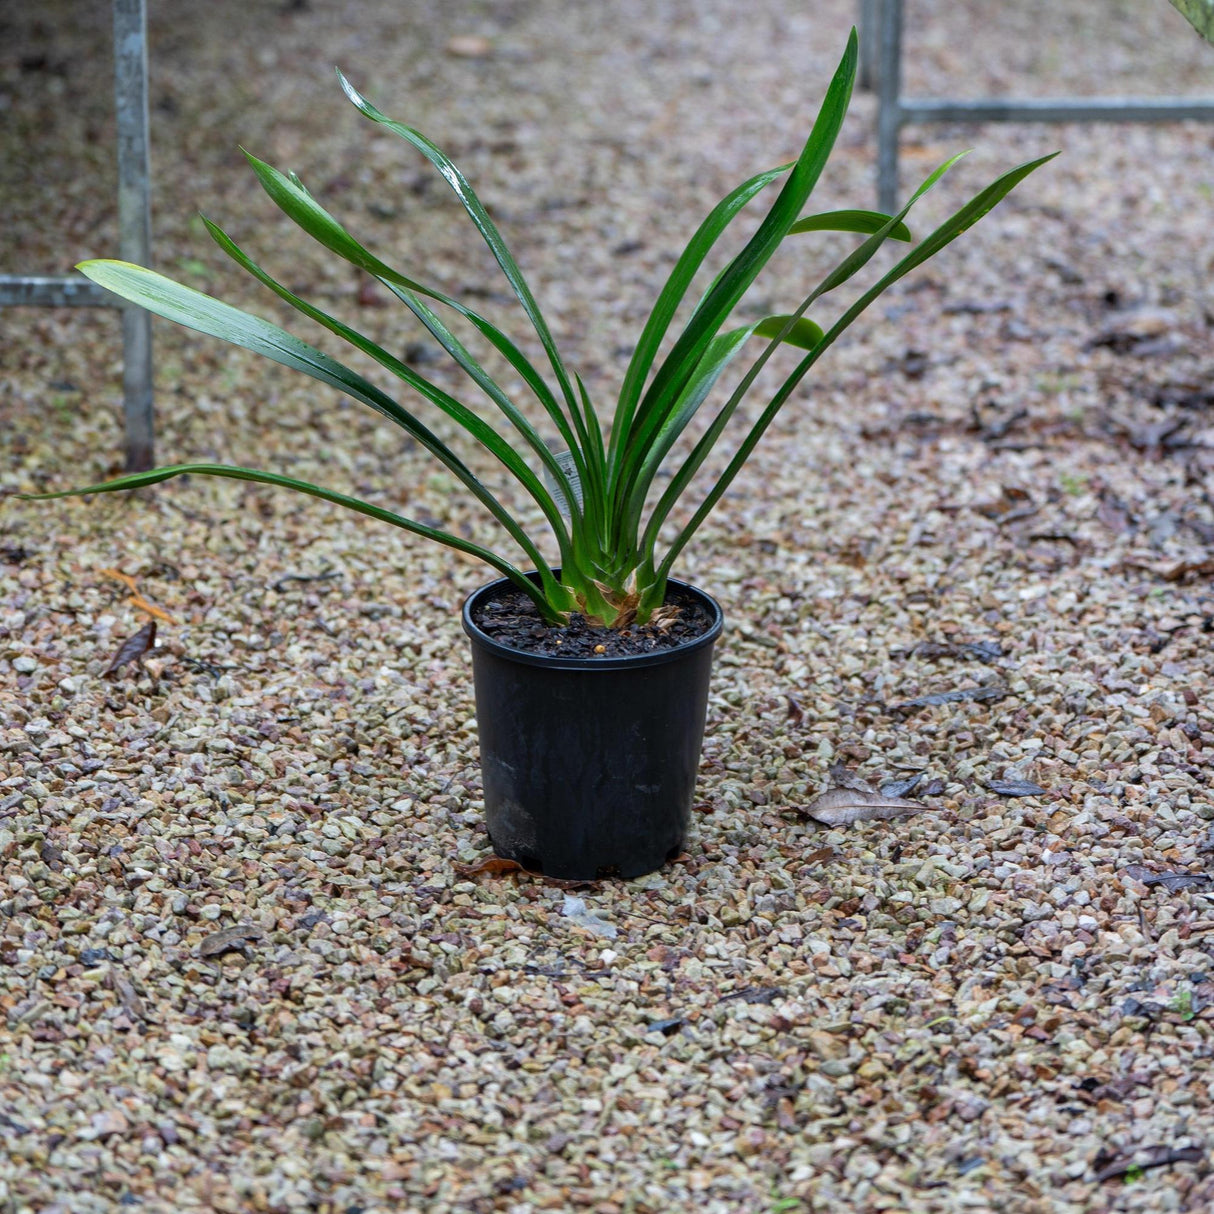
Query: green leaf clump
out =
(607, 491)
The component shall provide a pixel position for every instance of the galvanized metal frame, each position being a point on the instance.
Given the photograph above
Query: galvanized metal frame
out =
(134, 236)
(895, 111)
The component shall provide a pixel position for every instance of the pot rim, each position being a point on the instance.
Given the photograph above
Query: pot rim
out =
(626, 662)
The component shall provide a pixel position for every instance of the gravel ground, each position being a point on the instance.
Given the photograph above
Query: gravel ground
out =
(245, 959)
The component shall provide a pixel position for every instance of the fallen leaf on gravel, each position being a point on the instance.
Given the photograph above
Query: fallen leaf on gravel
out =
(857, 803)
(127, 993)
(842, 776)
(1153, 1157)
(133, 648)
(136, 599)
(667, 1028)
(1114, 514)
(1017, 788)
(1149, 437)
(1183, 568)
(490, 864)
(899, 788)
(754, 994)
(230, 938)
(823, 855)
(1171, 571)
(327, 575)
(988, 691)
(1129, 330)
(499, 865)
(1013, 504)
(1170, 881)
(984, 651)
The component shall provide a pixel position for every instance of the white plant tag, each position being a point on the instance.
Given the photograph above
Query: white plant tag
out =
(569, 468)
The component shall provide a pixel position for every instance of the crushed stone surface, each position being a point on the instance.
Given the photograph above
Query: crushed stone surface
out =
(242, 965)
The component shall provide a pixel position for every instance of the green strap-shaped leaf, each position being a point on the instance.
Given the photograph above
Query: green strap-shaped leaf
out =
(679, 365)
(290, 196)
(487, 228)
(798, 332)
(853, 262)
(954, 226)
(850, 221)
(475, 425)
(138, 480)
(672, 295)
(205, 314)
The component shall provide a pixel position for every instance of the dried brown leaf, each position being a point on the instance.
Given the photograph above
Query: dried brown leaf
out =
(1170, 881)
(1182, 569)
(899, 788)
(1017, 788)
(1114, 514)
(988, 691)
(491, 865)
(1014, 503)
(1155, 1157)
(823, 855)
(500, 866)
(127, 993)
(857, 802)
(133, 648)
(842, 776)
(230, 938)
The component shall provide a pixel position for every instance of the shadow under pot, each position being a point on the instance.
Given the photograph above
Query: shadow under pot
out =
(589, 763)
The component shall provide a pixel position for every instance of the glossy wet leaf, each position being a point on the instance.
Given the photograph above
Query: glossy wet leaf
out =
(606, 501)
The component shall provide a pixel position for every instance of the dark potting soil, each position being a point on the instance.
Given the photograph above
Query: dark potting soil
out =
(510, 618)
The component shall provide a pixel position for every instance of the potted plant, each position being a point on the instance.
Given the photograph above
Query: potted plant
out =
(591, 670)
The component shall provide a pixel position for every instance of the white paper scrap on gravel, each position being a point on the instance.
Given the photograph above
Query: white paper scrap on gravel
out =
(577, 910)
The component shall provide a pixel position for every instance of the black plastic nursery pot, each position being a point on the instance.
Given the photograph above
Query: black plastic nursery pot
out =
(589, 764)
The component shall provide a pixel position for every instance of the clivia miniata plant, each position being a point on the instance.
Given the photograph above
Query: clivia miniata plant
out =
(597, 488)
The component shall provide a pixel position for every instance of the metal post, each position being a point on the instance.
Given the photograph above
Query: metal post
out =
(868, 44)
(894, 111)
(889, 93)
(134, 221)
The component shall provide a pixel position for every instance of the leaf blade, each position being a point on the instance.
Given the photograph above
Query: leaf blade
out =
(483, 223)
(139, 480)
(865, 222)
(859, 803)
(205, 314)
